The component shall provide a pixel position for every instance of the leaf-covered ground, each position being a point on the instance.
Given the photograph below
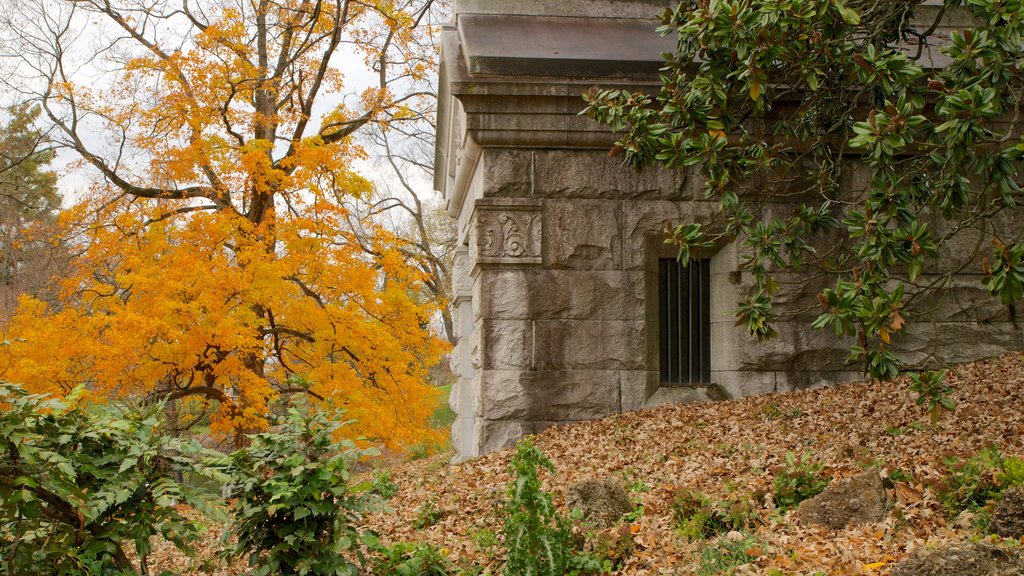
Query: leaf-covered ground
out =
(731, 451)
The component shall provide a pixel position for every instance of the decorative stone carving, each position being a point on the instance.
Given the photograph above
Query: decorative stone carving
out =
(508, 233)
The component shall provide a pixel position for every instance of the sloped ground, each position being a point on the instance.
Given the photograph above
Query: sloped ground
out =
(730, 450)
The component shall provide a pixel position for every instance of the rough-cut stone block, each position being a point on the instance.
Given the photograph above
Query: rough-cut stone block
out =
(634, 388)
(743, 383)
(590, 174)
(582, 235)
(549, 396)
(506, 173)
(859, 500)
(545, 294)
(590, 345)
(506, 344)
(797, 347)
(953, 342)
(684, 395)
(964, 298)
(645, 219)
(497, 434)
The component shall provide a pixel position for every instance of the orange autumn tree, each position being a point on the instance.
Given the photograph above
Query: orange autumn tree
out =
(211, 264)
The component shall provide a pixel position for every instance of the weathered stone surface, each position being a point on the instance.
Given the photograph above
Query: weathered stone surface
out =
(548, 396)
(507, 232)
(644, 220)
(561, 345)
(589, 174)
(965, 299)
(1008, 515)
(953, 342)
(635, 387)
(506, 173)
(546, 294)
(591, 345)
(644, 9)
(494, 435)
(743, 383)
(602, 501)
(796, 348)
(858, 500)
(965, 560)
(583, 235)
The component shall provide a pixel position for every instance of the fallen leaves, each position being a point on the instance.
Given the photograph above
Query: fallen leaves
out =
(731, 450)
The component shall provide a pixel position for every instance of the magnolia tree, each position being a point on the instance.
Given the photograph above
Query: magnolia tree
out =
(768, 97)
(212, 265)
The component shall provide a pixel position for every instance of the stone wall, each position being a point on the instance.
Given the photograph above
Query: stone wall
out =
(555, 283)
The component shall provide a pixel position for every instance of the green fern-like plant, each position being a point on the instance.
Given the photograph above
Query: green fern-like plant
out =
(537, 537)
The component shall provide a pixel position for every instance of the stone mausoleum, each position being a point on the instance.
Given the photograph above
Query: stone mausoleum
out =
(568, 304)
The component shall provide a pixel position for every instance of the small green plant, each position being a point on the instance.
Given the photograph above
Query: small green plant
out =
(797, 481)
(1013, 472)
(294, 512)
(383, 486)
(726, 554)
(971, 484)
(427, 515)
(485, 541)
(537, 537)
(931, 389)
(412, 559)
(697, 517)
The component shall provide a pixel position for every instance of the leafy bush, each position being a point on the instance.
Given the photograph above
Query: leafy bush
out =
(294, 511)
(412, 559)
(78, 484)
(798, 481)
(538, 539)
(726, 554)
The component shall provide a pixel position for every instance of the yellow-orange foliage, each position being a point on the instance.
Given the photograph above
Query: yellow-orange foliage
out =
(218, 269)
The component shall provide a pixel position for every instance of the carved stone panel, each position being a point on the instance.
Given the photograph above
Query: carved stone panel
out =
(507, 233)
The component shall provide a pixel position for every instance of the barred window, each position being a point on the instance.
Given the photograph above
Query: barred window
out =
(684, 315)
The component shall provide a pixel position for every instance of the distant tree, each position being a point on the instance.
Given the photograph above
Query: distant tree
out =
(212, 262)
(28, 206)
(778, 100)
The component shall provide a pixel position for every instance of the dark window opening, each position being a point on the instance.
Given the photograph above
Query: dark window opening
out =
(684, 320)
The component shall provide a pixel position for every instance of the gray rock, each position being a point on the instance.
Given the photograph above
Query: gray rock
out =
(1008, 516)
(859, 500)
(966, 560)
(602, 501)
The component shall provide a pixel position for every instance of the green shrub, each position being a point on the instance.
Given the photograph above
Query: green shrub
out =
(427, 515)
(412, 559)
(537, 538)
(79, 484)
(797, 481)
(969, 485)
(383, 486)
(725, 555)
(697, 517)
(294, 511)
